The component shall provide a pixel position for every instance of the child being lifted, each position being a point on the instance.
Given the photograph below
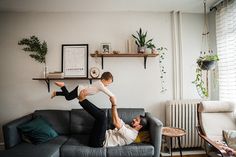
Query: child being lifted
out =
(101, 85)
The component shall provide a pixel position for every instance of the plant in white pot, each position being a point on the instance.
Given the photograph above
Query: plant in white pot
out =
(141, 40)
(37, 49)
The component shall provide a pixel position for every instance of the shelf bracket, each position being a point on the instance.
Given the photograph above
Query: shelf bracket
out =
(90, 81)
(48, 84)
(145, 61)
(102, 61)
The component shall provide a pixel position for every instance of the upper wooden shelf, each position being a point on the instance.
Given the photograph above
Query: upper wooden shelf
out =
(144, 55)
(124, 55)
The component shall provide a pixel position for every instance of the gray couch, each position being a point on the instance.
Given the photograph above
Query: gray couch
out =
(73, 128)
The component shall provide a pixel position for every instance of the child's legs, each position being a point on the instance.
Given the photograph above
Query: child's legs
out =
(68, 95)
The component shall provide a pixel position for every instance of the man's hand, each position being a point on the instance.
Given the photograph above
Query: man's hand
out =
(113, 100)
(115, 117)
(82, 95)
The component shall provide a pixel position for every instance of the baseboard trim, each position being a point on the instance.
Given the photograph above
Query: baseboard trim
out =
(185, 152)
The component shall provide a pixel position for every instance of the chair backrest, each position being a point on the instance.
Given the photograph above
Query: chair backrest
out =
(216, 116)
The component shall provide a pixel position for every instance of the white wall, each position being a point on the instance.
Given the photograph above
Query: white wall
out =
(133, 85)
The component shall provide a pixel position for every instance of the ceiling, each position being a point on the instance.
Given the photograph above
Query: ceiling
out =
(190, 6)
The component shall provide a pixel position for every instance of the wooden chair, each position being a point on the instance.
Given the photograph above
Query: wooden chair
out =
(213, 118)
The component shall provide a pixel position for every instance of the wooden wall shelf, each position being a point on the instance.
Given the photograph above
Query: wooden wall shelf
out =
(125, 55)
(47, 80)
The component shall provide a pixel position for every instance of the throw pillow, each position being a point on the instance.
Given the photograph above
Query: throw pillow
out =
(143, 137)
(37, 131)
(230, 138)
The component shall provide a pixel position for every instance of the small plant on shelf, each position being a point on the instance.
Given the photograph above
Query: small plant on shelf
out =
(141, 40)
(37, 49)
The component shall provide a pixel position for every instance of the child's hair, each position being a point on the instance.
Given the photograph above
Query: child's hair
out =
(106, 76)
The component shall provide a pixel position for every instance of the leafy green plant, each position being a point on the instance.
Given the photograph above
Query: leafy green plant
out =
(37, 49)
(209, 58)
(202, 87)
(140, 40)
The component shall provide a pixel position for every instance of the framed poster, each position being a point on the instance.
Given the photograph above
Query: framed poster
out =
(75, 60)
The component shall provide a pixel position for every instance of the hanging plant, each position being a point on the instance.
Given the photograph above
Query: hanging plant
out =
(37, 49)
(207, 62)
(204, 63)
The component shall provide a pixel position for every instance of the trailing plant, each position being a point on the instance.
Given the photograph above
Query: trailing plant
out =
(162, 68)
(202, 87)
(37, 49)
(140, 40)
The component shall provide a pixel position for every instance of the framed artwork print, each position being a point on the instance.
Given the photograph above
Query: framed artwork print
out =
(105, 47)
(75, 60)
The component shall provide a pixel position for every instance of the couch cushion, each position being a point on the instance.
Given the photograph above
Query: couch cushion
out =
(48, 149)
(37, 131)
(81, 121)
(77, 146)
(59, 119)
(126, 114)
(142, 150)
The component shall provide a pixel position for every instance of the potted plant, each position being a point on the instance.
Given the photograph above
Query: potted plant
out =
(141, 40)
(37, 49)
(206, 62)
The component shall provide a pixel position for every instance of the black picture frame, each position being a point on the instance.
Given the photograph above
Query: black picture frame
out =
(75, 60)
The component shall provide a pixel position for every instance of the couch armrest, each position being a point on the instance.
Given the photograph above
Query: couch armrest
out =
(10, 132)
(155, 133)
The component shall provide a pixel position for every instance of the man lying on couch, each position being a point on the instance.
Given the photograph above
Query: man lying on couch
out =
(123, 134)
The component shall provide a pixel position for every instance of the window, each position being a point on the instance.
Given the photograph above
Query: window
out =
(226, 49)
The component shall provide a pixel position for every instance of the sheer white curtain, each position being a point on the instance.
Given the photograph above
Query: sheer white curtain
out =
(226, 49)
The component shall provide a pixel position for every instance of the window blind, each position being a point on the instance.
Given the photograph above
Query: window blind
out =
(226, 49)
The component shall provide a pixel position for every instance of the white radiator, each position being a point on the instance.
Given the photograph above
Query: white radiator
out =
(183, 114)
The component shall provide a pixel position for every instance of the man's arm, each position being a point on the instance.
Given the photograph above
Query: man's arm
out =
(115, 117)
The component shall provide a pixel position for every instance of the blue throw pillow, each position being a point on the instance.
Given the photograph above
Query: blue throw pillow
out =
(37, 131)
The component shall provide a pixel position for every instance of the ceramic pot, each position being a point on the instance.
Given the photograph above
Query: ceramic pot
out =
(141, 49)
(206, 65)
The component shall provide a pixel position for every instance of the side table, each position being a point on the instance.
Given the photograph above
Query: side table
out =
(172, 133)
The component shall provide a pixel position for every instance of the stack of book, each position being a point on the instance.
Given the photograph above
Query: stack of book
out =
(55, 74)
